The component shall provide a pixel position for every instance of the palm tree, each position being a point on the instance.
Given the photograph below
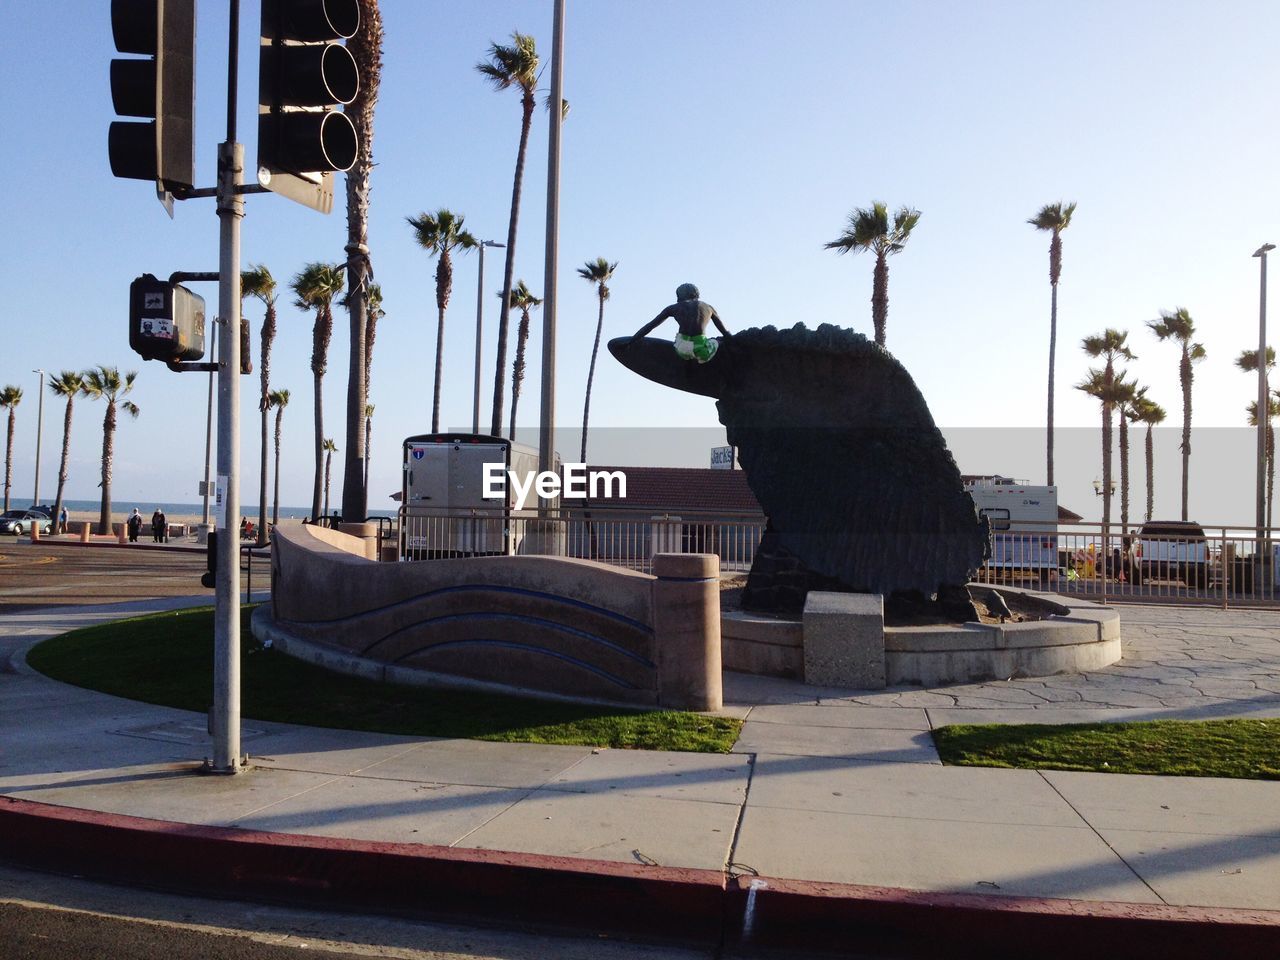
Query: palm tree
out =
(1248, 362)
(330, 448)
(316, 286)
(868, 229)
(1127, 394)
(596, 271)
(1101, 385)
(279, 399)
(439, 233)
(1178, 325)
(368, 439)
(510, 66)
(1054, 217)
(67, 384)
(107, 384)
(10, 397)
(373, 313)
(1149, 412)
(258, 282)
(524, 301)
(366, 48)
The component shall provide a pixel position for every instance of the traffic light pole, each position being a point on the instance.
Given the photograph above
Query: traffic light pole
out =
(224, 719)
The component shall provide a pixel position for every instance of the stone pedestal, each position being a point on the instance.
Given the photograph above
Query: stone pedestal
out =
(844, 640)
(686, 630)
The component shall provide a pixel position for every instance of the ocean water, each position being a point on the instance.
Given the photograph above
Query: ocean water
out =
(120, 507)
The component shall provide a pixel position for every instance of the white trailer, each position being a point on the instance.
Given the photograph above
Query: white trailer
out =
(444, 510)
(1024, 524)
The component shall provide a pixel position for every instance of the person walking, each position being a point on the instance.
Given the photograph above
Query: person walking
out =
(134, 525)
(158, 526)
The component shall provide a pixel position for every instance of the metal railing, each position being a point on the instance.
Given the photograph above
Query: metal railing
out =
(1229, 565)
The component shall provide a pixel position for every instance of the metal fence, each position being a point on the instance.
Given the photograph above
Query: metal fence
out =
(1228, 565)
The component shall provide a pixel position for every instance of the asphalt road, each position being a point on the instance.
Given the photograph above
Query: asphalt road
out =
(52, 573)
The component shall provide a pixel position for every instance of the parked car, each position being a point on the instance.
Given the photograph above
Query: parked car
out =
(18, 522)
(1171, 550)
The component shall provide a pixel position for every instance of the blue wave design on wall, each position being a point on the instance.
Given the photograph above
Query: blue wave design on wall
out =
(520, 591)
(541, 651)
(518, 618)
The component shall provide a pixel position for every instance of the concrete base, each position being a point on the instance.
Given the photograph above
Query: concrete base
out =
(844, 640)
(762, 644)
(1086, 638)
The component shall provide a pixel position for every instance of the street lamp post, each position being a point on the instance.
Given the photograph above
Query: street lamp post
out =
(1263, 406)
(475, 401)
(547, 437)
(35, 500)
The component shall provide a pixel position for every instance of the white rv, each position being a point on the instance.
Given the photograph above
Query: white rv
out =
(444, 510)
(1024, 524)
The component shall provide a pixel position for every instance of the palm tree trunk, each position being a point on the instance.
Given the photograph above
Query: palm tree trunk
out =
(1151, 475)
(508, 272)
(366, 48)
(1124, 474)
(1053, 347)
(262, 485)
(264, 405)
(1271, 469)
(1106, 464)
(328, 462)
(1184, 374)
(108, 453)
(880, 297)
(62, 465)
(591, 374)
(319, 448)
(275, 500)
(8, 459)
(517, 369)
(443, 287)
(435, 399)
(368, 440)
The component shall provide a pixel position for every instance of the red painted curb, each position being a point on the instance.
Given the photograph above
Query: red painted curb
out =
(691, 906)
(799, 914)
(422, 880)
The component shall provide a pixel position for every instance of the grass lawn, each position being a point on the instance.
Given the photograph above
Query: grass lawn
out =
(168, 659)
(1245, 749)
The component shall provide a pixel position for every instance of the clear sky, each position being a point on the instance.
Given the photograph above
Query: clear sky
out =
(721, 142)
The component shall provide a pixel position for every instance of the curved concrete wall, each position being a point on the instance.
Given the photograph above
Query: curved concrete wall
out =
(561, 626)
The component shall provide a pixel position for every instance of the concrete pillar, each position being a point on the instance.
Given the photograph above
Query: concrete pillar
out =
(122, 533)
(86, 529)
(35, 531)
(368, 532)
(686, 630)
(844, 640)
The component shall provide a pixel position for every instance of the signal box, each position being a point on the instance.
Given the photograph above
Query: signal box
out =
(166, 320)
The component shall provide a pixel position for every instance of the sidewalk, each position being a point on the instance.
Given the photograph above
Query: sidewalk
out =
(824, 788)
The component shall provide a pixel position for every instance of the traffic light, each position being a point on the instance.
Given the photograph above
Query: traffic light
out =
(303, 77)
(166, 320)
(159, 87)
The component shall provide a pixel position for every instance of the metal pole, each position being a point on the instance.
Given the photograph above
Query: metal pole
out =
(225, 725)
(546, 435)
(1263, 406)
(208, 430)
(475, 397)
(225, 716)
(35, 501)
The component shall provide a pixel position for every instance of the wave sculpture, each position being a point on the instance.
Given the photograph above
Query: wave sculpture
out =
(839, 447)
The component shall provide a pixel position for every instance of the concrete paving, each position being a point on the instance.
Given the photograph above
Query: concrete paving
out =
(825, 785)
